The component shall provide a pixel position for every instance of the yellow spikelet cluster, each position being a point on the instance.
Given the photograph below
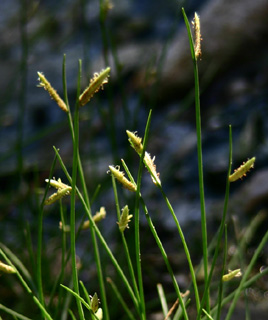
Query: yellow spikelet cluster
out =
(242, 170)
(149, 162)
(43, 82)
(63, 190)
(5, 268)
(124, 219)
(197, 36)
(135, 142)
(232, 274)
(100, 215)
(119, 175)
(96, 83)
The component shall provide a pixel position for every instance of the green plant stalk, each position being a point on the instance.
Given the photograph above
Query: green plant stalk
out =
(84, 187)
(246, 274)
(130, 266)
(63, 264)
(136, 219)
(40, 238)
(27, 288)
(164, 255)
(225, 208)
(185, 247)
(71, 314)
(120, 299)
(72, 213)
(222, 274)
(98, 233)
(15, 315)
(80, 299)
(85, 292)
(200, 161)
(163, 300)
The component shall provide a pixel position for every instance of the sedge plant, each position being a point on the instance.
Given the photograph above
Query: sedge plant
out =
(133, 304)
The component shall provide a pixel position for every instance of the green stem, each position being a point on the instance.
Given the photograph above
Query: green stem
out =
(27, 288)
(137, 227)
(72, 213)
(84, 187)
(130, 266)
(164, 255)
(200, 161)
(226, 201)
(98, 233)
(246, 274)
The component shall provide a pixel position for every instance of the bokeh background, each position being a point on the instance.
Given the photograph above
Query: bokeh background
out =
(146, 46)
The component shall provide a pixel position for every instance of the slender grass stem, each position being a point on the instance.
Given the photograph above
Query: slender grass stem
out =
(15, 315)
(98, 233)
(200, 161)
(130, 266)
(164, 255)
(72, 213)
(136, 217)
(226, 201)
(245, 275)
(27, 288)
(120, 299)
(84, 187)
(222, 273)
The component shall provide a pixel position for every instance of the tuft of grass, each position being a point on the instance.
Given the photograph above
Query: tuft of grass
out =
(126, 281)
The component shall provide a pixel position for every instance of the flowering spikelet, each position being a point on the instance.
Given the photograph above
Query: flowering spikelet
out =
(119, 175)
(52, 92)
(124, 219)
(94, 303)
(242, 170)
(135, 142)
(5, 268)
(63, 190)
(97, 82)
(100, 215)
(197, 36)
(232, 274)
(149, 162)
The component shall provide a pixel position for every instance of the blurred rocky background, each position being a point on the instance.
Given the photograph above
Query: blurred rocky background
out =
(146, 45)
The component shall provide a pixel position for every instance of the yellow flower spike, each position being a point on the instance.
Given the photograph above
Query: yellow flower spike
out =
(94, 304)
(124, 219)
(5, 268)
(232, 274)
(58, 195)
(242, 170)
(52, 92)
(57, 184)
(119, 175)
(96, 83)
(197, 36)
(100, 215)
(135, 142)
(149, 162)
(63, 190)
